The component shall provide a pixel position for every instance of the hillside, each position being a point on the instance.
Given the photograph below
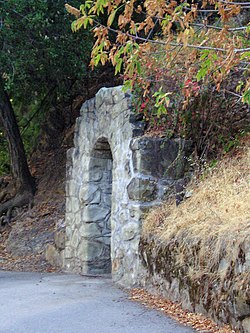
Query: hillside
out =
(23, 242)
(218, 199)
(201, 247)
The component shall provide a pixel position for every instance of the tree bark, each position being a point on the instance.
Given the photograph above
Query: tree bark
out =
(24, 182)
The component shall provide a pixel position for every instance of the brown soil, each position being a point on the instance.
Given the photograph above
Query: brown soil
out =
(24, 240)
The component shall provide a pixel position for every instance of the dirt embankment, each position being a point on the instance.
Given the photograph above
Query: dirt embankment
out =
(24, 240)
(198, 253)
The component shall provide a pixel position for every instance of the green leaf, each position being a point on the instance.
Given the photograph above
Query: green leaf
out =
(248, 28)
(97, 59)
(128, 85)
(245, 55)
(246, 97)
(73, 26)
(86, 22)
(138, 67)
(201, 74)
(204, 54)
(118, 66)
(111, 18)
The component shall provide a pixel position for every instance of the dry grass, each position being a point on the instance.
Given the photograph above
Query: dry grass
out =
(216, 219)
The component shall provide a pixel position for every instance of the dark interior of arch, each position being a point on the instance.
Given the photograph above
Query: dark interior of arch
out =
(100, 179)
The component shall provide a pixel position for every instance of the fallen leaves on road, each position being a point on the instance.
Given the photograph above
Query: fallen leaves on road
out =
(174, 310)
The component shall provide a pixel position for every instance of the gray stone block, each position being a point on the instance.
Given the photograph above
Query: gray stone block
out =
(53, 256)
(60, 239)
(90, 230)
(90, 250)
(90, 193)
(140, 189)
(95, 213)
(129, 231)
(95, 175)
(160, 157)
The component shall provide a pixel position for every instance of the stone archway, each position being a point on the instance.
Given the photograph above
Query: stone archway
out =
(114, 175)
(102, 143)
(98, 199)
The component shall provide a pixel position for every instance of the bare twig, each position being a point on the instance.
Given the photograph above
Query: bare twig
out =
(160, 42)
(217, 28)
(232, 93)
(235, 3)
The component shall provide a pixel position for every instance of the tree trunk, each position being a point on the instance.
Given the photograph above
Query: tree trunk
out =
(24, 182)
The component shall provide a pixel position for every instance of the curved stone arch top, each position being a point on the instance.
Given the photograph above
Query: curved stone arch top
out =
(114, 175)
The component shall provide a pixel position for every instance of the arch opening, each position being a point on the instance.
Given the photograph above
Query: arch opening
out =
(100, 185)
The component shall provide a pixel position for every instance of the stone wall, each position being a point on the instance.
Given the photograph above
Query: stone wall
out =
(114, 176)
(223, 294)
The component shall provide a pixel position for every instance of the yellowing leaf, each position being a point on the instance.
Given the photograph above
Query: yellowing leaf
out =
(111, 18)
(72, 10)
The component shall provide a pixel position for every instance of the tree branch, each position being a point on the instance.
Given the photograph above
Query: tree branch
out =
(217, 28)
(145, 40)
(235, 3)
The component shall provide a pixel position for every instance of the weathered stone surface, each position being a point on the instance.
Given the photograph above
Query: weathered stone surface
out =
(160, 157)
(129, 231)
(224, 298)
(68, 232)
(104, 97)
(60, 239)
(69, 252)
(246, 325)
(72, 205)
(95, 175)
(94, 213)
(90, 251)
(90, 193)
(113, 179)
(90, 230)
(140, 189)
(53, 256)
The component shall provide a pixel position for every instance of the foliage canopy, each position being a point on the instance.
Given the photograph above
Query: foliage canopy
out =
(38, 50)
(209, 32)
(173, 53)
(41, 62)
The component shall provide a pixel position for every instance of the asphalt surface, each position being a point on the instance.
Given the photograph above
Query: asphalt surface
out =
(59, 303)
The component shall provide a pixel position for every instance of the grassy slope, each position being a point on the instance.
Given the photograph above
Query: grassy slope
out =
(216, 217)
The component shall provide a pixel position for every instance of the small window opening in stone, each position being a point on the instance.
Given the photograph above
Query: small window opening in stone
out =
(100, 184)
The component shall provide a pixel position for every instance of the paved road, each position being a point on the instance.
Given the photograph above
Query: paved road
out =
(56, 303)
